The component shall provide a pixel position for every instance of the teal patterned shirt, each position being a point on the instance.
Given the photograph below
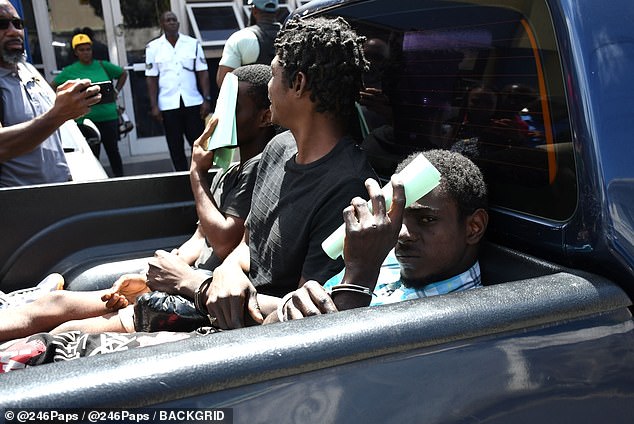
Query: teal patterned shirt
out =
(390, 289)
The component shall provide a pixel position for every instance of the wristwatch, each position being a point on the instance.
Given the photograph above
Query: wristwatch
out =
(207, 98)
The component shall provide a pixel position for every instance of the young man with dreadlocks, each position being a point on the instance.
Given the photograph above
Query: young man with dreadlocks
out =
(306, 176)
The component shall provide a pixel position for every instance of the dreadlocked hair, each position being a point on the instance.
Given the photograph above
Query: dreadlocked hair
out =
(460, 179)
(330, 54)
(258, 77)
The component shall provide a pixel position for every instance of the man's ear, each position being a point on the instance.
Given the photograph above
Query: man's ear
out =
(476, 226)
(299, 84)
(264, 118)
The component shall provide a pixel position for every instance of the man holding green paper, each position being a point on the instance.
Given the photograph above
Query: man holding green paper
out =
(223, 206)
(426, 249)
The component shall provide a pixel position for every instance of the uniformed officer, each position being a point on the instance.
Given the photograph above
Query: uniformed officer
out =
(178, 86)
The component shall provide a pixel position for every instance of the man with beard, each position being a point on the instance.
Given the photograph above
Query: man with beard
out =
(30, 112)
(431, 246)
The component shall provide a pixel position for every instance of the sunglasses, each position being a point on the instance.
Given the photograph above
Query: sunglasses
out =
(17, 23)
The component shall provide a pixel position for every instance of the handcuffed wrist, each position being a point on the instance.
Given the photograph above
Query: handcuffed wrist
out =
(351, 288)
(199, 302)
(281, 305)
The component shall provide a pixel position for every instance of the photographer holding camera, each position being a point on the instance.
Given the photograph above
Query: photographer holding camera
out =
(31, 113)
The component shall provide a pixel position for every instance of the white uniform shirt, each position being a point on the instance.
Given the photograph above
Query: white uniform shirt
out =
(242, 48)
(175, 67)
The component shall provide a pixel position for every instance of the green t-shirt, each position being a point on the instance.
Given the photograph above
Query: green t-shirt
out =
(95, 72)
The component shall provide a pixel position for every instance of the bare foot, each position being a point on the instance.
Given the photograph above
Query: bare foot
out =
(125, 291)
(115, 300)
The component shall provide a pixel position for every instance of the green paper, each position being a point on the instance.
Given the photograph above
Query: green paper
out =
(365, 130)
(419, 178)
(225, 135)
(223, 157)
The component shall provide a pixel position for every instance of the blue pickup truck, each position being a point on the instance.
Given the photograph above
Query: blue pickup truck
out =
(539, 94)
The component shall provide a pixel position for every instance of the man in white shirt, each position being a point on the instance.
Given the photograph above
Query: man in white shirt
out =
(178, 86)
(253, 44)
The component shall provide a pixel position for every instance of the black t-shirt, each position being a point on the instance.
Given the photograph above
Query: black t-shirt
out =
(296, 207)
(265, 33)
(232, 192)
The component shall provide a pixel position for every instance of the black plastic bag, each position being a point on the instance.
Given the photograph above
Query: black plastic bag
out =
(160, 311)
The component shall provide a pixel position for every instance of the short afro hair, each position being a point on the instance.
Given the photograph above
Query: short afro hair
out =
(258, 76)
(460, 179)
(330, 54)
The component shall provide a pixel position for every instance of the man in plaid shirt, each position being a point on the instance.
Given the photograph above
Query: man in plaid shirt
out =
(427, 249)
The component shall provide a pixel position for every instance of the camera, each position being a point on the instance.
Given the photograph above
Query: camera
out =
(107, 91)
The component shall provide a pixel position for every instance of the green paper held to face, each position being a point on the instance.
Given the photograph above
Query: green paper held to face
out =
(419, 178)
(224, 139)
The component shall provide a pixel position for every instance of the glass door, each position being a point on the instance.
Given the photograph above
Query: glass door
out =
(121, 29)
(131, 24)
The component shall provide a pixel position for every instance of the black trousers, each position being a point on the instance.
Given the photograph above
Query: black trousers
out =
(110, 139)
(178, 122)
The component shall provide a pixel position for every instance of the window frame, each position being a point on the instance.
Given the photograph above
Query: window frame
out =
(212, 5)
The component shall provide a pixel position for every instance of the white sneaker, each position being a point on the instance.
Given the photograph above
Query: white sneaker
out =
(51, 283)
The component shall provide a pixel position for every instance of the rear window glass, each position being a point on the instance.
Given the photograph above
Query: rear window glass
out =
(479, 79)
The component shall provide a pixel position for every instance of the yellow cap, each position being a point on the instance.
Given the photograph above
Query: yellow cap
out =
(80, 39)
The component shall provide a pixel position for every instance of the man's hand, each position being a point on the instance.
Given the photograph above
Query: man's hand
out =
(231, 296)
(74, 98)
(370, 235)
(169, 273)
(202, 160)
(310, 299)
(376, 101)
(205, 109)
(155, 113)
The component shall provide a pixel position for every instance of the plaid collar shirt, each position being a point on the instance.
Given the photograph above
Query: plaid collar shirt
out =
(390, 289)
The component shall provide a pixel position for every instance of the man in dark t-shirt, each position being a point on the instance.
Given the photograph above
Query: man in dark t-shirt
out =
(297, 206)
(306, 176)
(232, 190)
